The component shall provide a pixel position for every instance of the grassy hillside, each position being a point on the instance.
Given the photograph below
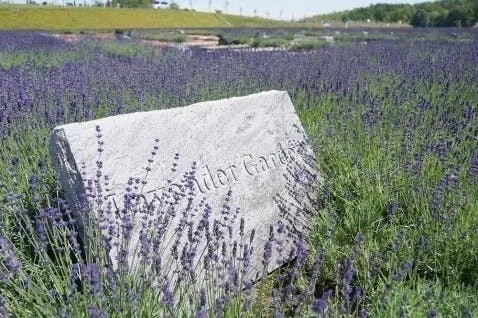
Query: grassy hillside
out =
(64, 18)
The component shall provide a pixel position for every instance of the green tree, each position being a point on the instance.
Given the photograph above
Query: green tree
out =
(420, 18)
(437, 13)
(460, 16)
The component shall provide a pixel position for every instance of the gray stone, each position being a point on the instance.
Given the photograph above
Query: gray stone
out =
(245, 158)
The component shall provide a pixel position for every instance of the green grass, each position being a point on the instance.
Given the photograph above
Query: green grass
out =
(244, 21)
(20, 17)
(368, 173)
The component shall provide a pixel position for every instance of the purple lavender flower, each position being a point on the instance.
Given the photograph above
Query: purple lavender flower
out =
(201, 314)
(251, 237)
(12, 264)
(241, 227)
(392, 208)
(364, 313)
(167, 295)
(246, 257)
(95, 312)
(7, 256)
(320, 305)
(128, 227)
(474, 166)
(122, 256)
(218, 307)
(352, 295)
(267, 253)
(276, 302)
(3, 309)
(33, 182)
(403, 270)
(202, 298)
(41, 232)
(94, 274)
(432, 313)
(234, 249)
(15, 161)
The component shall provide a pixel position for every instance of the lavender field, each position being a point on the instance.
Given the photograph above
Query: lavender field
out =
(394, 124)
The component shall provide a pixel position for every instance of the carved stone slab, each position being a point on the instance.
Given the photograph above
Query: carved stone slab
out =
(239, 158)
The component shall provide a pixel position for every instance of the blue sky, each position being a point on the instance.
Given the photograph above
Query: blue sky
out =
(290, 8)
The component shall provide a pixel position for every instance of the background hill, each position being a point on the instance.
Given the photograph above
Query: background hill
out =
(439, 13)
(74, 18)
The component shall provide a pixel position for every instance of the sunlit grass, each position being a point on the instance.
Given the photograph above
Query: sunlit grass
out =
(91, 18)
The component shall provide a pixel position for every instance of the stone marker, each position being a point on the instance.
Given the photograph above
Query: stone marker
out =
(237, 164)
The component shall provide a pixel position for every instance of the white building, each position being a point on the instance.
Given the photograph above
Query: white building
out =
(157, 4)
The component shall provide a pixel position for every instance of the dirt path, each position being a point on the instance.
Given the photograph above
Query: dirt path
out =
(191, 40)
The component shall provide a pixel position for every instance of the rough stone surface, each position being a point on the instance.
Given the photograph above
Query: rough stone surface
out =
(252, 146)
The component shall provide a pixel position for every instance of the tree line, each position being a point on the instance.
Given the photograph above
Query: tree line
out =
(443, 13)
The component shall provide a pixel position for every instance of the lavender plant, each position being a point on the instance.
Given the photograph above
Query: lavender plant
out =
(394, 124)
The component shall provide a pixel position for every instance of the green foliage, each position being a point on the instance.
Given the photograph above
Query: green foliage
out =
(167, 36)
(423, 298)
(439, 13)
(270, 42)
